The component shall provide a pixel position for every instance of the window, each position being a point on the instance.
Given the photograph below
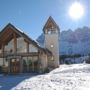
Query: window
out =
(32, 48)
(51, 31)
(51, 45)
(21, 45)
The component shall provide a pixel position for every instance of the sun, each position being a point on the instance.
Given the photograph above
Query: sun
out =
(76, 10)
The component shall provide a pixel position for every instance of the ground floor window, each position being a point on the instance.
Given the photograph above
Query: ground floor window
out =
(3, 63)
(30, 64)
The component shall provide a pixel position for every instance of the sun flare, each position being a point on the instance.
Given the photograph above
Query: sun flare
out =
(76, 10)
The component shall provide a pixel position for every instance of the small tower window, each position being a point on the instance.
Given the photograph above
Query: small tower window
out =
(51, 46)
(49, 32)
(52, 31)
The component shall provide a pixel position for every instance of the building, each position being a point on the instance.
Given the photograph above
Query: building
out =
(19, 53)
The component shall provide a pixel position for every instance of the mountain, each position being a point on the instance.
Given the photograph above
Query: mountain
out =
(72, 42)
(40, 40)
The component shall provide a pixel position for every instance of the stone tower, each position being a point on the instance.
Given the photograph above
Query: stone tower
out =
(51, 42)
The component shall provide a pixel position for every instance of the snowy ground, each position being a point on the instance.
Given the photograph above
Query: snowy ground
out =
(67, 77)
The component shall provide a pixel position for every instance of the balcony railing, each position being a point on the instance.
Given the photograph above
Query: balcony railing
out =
(7, 53)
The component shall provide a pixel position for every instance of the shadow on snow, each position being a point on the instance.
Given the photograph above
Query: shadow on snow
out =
(10, 81)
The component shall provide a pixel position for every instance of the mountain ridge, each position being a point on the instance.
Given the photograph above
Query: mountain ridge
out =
(72, 42)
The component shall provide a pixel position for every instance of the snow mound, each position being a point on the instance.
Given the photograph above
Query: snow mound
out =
(66, 77)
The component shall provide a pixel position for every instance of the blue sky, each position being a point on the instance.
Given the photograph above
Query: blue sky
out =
(31, 15)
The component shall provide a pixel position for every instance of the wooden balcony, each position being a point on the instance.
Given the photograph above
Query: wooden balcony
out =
(6, 54)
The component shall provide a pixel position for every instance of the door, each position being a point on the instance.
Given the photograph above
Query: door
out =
(14, 66)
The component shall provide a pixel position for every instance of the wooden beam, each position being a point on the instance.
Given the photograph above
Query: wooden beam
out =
(5, 38)
(33, 66)
(3, 54)
(7, 32)
(15, 43)
(27, 45)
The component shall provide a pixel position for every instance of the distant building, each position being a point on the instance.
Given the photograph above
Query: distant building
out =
(19, 53)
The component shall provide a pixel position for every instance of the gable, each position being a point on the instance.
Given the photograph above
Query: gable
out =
(50, 24)
(7, 34)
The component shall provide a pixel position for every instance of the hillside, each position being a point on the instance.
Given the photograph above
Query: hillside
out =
(73, 42)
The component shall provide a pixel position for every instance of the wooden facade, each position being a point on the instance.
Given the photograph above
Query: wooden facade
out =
(19, 53)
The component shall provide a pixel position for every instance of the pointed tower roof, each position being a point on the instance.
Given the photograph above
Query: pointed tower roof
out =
(50, 23)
